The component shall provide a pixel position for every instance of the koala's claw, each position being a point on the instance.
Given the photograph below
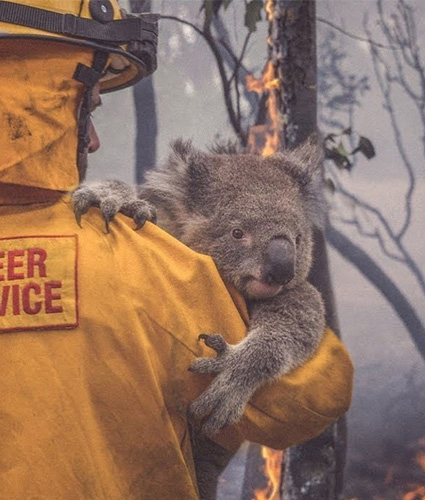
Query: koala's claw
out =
(211, 365)
(78, 216)
(112, 197)
(109, 208)
(140, 223)
(140, 211)
(83, 198)
(215, 342)
(206, 365)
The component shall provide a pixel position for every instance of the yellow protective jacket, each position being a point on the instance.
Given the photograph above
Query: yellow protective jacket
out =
(97, 332)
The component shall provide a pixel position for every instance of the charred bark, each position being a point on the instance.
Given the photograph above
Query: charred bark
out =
(313, 470)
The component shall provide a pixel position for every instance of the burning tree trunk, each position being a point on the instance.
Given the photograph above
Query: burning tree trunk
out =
(314, 469)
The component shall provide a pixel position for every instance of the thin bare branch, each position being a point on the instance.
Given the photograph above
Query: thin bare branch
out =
(238, 62)
(385, 85)
(206, 34)
(375, 275)
(354, 36)
(187, 23)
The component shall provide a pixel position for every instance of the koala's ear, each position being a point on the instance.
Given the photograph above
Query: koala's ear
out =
(188, 162)
(189, 173)
(307, 159)
(305, 164)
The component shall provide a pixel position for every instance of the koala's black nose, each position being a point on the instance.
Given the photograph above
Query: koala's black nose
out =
(280, 262)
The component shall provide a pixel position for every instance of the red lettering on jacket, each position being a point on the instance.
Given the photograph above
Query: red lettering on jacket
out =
(16, 308)
(13, 262)
(26, 300)
(1, 265)
(50, 296)
(4, 299)
(37, 258)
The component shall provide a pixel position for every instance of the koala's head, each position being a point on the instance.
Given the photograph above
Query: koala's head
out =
(253, 215)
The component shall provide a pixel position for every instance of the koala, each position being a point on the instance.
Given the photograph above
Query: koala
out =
(255, 217)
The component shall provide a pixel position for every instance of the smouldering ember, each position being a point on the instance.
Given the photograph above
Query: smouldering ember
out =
(404, 480)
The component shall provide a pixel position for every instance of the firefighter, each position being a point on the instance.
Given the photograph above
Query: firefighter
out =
(97, 331)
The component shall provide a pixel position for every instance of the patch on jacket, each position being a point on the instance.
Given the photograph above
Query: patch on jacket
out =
(38, 283)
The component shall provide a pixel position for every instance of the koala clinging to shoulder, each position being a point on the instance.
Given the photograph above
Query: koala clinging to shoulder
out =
(254, 216)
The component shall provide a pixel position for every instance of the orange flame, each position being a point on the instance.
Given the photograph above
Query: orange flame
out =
(404, 490)
(264, 139)
(418, 494)
(272, 471)
(270, 4)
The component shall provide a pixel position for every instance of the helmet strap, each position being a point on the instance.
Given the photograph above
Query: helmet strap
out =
(89, 76)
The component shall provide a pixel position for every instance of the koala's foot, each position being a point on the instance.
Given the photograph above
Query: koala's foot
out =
(212, 365)
(112, 197)
(224, 401)
(222, 404)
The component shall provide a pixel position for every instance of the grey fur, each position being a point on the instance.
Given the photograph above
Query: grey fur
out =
(207, 201)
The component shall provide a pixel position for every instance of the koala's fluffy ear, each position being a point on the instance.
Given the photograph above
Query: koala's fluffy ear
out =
(190, 170)
(176, 184)
(305, 164)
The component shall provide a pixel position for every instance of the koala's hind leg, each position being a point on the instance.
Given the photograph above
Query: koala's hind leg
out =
(112, 197)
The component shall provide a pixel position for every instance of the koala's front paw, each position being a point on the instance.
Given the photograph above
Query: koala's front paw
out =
(212, 365)
(140, 211)
(222, 404)
(112, 197)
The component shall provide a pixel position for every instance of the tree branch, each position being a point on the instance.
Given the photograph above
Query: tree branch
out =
(377, 277)
(354, 36)
(205, 33)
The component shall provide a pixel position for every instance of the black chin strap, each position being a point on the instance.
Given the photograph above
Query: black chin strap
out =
(89, 76)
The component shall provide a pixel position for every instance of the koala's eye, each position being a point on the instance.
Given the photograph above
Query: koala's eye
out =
(237, 234)
(298, 239)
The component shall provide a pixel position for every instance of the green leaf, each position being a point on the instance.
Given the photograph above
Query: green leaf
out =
(212, 7)
(366, 147)
(207, 5)
(342, 151)
(253, 14)
(339, 156)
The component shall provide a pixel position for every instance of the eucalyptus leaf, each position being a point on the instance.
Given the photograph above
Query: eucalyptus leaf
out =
(366, 147)
(253, 14)
(342, 151)
(208, 6)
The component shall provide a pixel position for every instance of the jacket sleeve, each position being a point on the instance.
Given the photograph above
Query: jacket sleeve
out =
(300, 405)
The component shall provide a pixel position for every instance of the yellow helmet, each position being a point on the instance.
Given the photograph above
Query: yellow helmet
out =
(125, 45)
